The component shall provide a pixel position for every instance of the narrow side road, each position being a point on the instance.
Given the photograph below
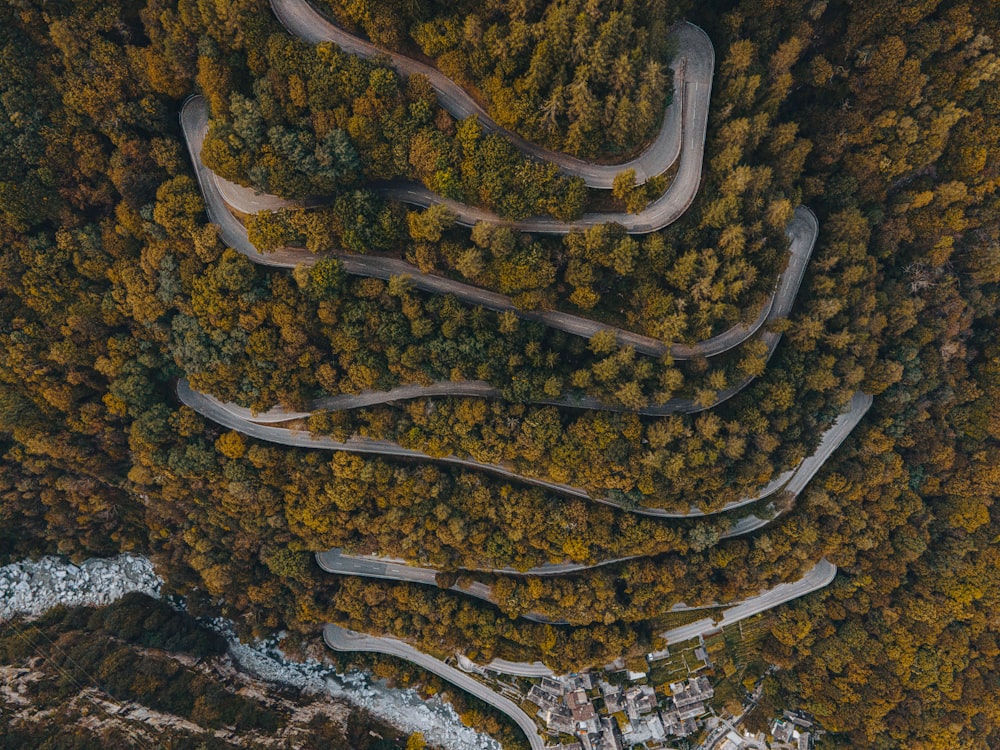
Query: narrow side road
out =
(693, 65)
(341, 639)
(818, 577)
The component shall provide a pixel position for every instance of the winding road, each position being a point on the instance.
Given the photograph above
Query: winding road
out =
(818, 577)
(392, 568)
(693, 64)
(792, 482)
(341, 639)
(389, 569)
(243, 420)
(802, 231)
(682, 136)
(222, 414)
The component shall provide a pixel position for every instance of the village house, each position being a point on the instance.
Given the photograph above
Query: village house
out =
(792, 733)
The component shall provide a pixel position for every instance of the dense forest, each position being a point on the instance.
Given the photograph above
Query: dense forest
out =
(585, 78)
(318, 121)
(880, 116)
(714, 269)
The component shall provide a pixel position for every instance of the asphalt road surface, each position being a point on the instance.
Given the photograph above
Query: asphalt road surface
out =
(332, 561)
(341, 639)
(337, 561)
(693, 64)
(370, 566)
(802, 231)
(687, 118)
(222, 413)
(792, 480)
(242, 420)
(818, 577)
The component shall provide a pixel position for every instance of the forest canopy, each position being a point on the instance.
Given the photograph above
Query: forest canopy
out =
(587, 78)
(880, 116)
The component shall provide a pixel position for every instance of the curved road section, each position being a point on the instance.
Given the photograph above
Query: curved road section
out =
(242, 420)
(219, 193)
(337, 562)
(341, 639)
(343, 563)
(221, 413)
(389, 569)
(792, 480)
(818, 577)
(693, 65)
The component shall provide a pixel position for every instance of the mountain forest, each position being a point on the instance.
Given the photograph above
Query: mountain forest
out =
(881, 116)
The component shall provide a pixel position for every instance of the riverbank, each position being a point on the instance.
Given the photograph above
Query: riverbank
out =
(31, 587)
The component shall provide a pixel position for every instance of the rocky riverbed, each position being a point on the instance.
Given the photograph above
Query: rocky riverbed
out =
(31, 587)
(404, 709)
